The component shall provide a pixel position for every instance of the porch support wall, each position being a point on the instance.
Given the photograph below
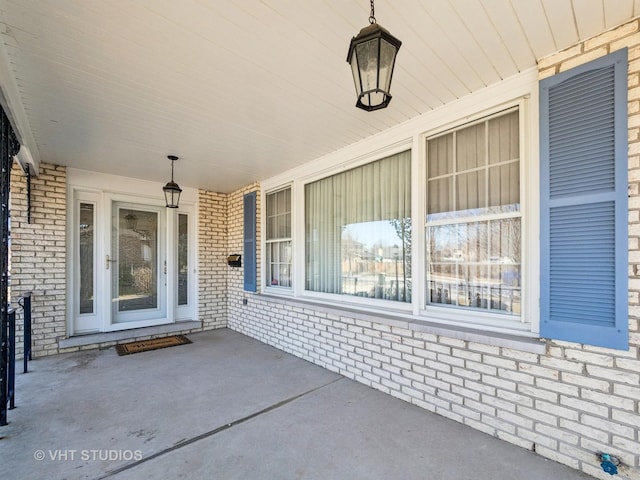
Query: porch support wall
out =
(567, 404)
(235, 283)
(38, 255)
(212, 253)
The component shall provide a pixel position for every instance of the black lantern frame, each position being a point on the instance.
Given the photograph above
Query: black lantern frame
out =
(372, 56)
(172, 190)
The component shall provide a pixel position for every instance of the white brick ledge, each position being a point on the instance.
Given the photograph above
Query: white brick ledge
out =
(393, 319)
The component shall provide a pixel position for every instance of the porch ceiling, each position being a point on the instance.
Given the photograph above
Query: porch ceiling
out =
(242, 90)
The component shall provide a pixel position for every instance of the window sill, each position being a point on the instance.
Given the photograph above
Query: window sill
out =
(418, 324)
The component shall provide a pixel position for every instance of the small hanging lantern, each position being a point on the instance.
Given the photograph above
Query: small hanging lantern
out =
(171, 190)
(372, 55)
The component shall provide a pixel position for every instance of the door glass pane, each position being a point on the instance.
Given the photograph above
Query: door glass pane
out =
(137, 261)
(87, 229)
(183, 259)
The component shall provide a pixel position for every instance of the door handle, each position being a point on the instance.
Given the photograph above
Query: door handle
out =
(108, 262)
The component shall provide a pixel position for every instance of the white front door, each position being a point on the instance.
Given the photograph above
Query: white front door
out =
(138, 264)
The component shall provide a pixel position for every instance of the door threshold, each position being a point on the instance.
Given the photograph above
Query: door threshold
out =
(103, 337)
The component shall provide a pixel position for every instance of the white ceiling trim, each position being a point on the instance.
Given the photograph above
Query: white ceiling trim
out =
(11, 102)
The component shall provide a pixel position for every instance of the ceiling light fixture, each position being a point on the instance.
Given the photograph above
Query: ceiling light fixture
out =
(171, 190)
(372, 55)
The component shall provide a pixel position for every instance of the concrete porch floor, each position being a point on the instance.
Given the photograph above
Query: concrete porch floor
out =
(229, 407)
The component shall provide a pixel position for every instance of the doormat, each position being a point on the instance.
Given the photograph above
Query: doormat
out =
(156, 343)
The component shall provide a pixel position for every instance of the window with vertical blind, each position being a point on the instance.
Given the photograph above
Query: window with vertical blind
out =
(439, 227)
(473, 221)
(358, 231)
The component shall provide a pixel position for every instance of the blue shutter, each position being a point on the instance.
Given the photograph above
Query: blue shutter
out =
(250, 283)
(583, 197)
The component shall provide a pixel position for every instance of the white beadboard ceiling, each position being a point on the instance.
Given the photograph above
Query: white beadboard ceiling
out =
(242, 90)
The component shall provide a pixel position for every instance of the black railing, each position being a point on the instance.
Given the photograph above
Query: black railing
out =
(11, 382)
(8, 352)
(25, 303)
(8, 149)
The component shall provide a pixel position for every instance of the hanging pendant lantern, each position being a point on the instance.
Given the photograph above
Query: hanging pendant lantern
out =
(171, 190)
(372, 56)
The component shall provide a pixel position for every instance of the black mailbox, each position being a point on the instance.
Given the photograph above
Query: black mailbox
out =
(234, 260)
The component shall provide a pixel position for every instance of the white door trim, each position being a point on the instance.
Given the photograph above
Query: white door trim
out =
(97, 189)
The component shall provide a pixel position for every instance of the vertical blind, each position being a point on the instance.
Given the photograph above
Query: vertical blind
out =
(378, 191)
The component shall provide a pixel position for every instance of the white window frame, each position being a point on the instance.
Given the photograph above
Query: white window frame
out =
(471, 316)
(373, 304)
(519, 91)
(264, 242)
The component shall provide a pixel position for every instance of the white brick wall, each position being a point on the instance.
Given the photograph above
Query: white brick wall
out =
(212, 259)
(38, 255)
(566, 405)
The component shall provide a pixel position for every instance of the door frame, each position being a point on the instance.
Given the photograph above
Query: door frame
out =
(102, 190)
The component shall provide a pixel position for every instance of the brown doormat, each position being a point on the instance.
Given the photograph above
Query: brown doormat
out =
(146, 345)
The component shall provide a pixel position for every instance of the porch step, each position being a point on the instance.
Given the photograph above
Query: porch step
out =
(82, 340)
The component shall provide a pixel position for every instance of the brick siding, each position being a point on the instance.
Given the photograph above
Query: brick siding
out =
(212, 259)
(38, 255)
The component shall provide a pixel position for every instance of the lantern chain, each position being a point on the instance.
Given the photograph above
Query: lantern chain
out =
(372, 17)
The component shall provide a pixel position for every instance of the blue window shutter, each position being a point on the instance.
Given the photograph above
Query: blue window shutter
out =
(250, 281)
(583, 199)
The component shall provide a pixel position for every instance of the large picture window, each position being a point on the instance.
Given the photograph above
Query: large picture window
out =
(358, 231)
(278, 241)
(473, 223)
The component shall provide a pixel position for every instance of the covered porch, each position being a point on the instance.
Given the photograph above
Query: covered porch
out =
(426, 251)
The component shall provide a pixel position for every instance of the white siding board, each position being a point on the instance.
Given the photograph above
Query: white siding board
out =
(446, 15)
(483, 31)
(446, 64)
(562, 21)
(589, 16)
(617, 12)
(533, 19)
(507, 23)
